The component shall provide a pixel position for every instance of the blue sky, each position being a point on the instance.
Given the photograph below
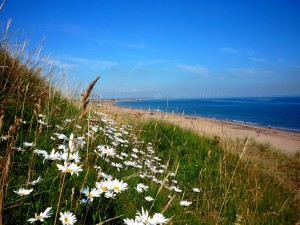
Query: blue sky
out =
(175, 48)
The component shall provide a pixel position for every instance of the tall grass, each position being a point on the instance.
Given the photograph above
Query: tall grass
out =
(231, 188)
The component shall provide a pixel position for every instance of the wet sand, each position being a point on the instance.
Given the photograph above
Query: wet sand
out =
(285, 141)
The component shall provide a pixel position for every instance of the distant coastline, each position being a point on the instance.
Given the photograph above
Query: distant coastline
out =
(120, 103)
(239, 123)
(284, 140)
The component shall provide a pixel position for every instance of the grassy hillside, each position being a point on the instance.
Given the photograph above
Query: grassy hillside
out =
(231, 189)
(60, 164)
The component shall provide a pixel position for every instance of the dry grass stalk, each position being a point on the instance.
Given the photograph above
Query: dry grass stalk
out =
(12, 131)
(106, 221)
(84, 99)
(2, 113)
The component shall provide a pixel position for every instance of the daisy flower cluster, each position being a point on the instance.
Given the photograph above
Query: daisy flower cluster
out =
(136, 155)
(124, 155)
(120, 152)
(67, 153)
(25, 191)
(109, 188)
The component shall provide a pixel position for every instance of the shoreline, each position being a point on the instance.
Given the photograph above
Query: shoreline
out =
(285, 141)
(213, 118)
(247, 124)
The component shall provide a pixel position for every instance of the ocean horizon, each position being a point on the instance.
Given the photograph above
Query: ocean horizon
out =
(271, 112)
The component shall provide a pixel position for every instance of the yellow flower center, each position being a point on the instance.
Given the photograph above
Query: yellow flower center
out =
(104, 188)
(67, 220)
(23, 193)
(68, 170)
(39, 217)
(116, 188)
(90, 195)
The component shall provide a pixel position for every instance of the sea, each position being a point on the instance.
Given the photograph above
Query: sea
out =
(274, 113)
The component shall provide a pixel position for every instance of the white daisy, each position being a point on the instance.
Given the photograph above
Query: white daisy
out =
(149, 199)
(42, 122)
(109, 194)
(130, 163)
(143, 217)
(63, 147)
(132, 222)
(124, 154)
(40, 152)
(141, 188)
(85, 201)
(42, 216)
(53, 155)
(176, 189)
(134, 156)
(67, 218)
(159, 218)
(117, 165)
(61, 136)
(72, 157)
(106, 151)
(142, 175)
(28, 144)
(39, 179)
(185, 203)
(23, 191)
(196, 190)
(91, 194)
(106, 176)
(103, 186)
(69, 168)
(41, 115)
(135, 150)
(118, 186)
(98, 168)
(80, 141)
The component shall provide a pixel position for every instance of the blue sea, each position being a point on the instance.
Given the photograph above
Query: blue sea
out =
(280, 112)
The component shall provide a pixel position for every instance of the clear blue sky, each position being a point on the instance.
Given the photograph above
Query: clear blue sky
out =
(168, 47)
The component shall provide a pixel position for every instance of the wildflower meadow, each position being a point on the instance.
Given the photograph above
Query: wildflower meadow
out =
(66, 161)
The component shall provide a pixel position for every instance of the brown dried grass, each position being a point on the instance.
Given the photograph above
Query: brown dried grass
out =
(84, 98)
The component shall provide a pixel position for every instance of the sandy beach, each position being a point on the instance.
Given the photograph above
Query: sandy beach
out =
(285, 141)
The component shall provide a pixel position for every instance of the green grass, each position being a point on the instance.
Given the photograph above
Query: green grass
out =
(230, 187)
